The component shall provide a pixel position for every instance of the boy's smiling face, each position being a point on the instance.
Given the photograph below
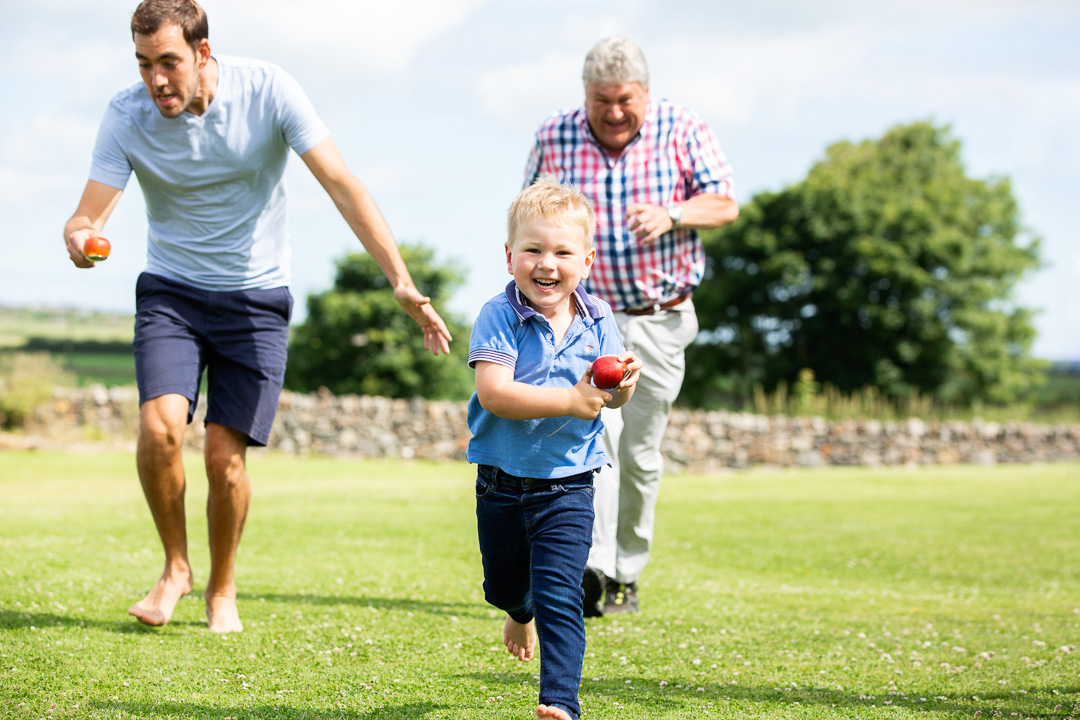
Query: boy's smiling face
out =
(547, 262)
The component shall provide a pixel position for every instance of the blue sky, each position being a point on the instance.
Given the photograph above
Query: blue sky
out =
(434, 104)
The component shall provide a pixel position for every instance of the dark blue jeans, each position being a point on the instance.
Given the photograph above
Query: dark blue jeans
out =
(534, 539)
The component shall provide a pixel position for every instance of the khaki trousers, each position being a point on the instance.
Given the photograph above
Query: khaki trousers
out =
(626, 493)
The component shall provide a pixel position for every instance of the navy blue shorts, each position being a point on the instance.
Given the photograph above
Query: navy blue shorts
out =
(241, 338)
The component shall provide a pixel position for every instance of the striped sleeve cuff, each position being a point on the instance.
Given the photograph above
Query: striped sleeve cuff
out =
(489, 355)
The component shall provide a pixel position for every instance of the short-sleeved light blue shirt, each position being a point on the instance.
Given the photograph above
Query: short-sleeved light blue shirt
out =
(213, 183)
(510, 333)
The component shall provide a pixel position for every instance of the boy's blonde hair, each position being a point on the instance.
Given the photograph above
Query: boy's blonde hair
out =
(563, 205)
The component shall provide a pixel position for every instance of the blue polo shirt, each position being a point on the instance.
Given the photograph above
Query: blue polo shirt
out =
(510, 333)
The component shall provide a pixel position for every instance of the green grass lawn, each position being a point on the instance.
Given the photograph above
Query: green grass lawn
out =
(931, 593)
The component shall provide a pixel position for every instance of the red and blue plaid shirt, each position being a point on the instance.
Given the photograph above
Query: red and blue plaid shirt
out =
(673, 158)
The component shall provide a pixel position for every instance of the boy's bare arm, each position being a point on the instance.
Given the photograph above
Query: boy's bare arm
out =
(501, 395)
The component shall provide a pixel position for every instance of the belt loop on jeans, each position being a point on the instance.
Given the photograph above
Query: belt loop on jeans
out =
(653, 309)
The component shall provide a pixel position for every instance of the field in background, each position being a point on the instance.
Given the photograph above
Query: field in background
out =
(96, 348)
(937, 593)
(20, 324)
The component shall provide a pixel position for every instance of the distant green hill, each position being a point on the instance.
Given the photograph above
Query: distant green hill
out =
(17, 325)
(95, 346)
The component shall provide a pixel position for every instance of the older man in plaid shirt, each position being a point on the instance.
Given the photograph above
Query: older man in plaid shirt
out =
(657, 175)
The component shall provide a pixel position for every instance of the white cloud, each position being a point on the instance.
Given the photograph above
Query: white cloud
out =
(374, 36)
(79, 61)
(1054, 107)
(764, 80)
(44, 158)
(527, 93)
(780, 16)
(728, 81)
(59, 135)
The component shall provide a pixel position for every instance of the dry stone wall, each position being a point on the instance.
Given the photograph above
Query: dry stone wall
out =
(696, 441)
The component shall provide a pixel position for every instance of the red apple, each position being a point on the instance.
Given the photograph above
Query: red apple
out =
(608, 371)
(96, 249)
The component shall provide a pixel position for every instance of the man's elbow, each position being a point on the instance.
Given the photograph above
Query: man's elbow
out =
(720, 212)
(731, 213)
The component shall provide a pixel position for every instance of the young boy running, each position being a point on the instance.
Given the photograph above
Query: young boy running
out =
(537, 433)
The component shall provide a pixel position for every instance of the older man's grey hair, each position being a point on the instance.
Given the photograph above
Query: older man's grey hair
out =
(615, 61)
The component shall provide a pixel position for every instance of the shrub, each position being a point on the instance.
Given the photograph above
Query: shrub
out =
(26, 381)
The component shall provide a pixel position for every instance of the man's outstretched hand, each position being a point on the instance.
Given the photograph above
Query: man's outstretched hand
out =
(436, 337)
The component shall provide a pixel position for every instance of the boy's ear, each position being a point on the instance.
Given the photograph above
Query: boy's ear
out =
(509, 263)
(589, 257)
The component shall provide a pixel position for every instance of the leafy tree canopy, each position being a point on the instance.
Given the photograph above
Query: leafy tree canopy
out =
(357, 339)
(887, 266)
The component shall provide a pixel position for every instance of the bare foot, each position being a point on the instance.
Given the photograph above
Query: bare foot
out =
(543, 711)
(520, 639)
(222, 614)
(158, 605)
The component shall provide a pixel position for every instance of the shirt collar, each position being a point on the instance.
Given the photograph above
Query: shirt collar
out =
(587, 305)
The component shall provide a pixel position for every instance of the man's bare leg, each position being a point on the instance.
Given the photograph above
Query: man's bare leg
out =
(226, 511)
(162, 421)
(520, 639)
(543, 712)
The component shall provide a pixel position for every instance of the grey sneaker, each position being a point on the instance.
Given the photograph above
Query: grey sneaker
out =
(593, 585)
(621, 598)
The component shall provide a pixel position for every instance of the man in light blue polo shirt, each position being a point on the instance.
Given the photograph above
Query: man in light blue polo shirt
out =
(208, 137)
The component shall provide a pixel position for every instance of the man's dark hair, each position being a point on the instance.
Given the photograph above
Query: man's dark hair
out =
(152, 15)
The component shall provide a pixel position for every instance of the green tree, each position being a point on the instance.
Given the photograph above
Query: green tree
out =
(357, 339)
(887, 266)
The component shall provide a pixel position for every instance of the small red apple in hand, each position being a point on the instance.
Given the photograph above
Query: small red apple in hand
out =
(608, 371)
(96, 249)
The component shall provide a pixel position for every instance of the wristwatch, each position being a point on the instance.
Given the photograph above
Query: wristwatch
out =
(675, 213)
